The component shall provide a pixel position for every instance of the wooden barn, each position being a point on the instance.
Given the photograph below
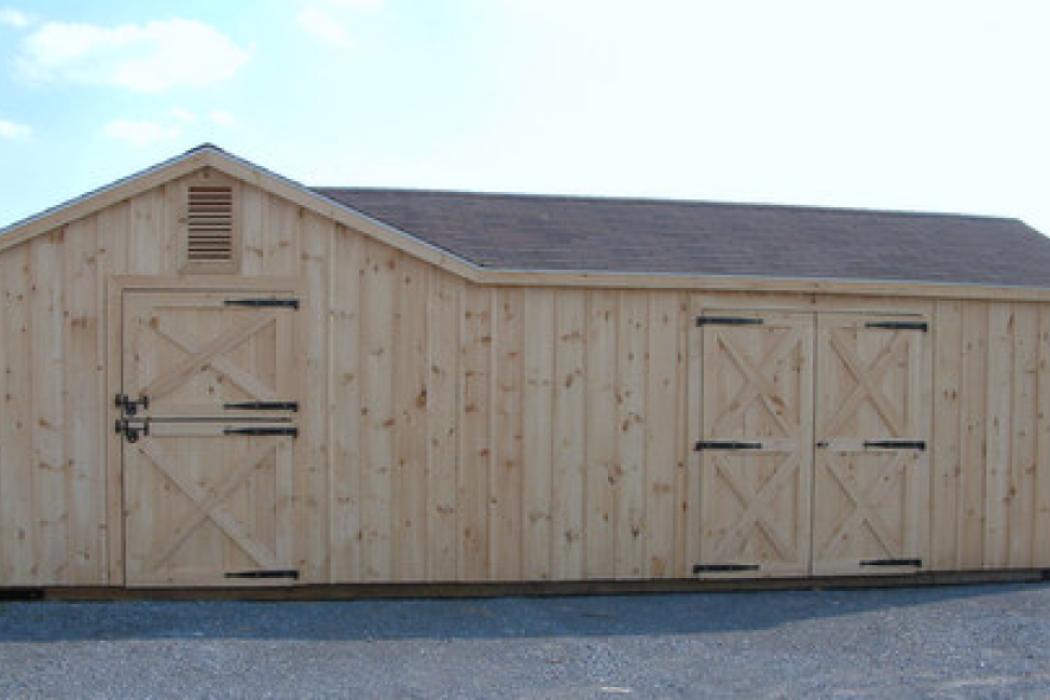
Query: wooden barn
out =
(216, 377)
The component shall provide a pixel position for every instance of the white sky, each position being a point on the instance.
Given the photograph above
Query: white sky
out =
(922, 105)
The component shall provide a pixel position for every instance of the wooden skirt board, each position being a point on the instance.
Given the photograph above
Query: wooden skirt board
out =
(813, 456)
(209, 424)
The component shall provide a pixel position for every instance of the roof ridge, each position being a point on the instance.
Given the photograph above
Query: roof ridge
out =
(641, 200)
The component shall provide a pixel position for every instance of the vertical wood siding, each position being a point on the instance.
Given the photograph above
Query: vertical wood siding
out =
(453, 432)
(991, 475)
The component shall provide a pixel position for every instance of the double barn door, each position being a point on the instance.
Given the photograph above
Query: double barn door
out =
(813, 444)
(208, 421)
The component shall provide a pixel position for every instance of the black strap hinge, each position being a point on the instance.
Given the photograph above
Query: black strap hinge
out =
(723, 568)
(917, 563)
(287, 303)
(264, 573)
(262, 406)
(919, 445)
(727, 445)
(288, 432)
(728, 321)
(899, 325)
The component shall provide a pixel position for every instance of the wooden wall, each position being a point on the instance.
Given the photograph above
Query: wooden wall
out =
(504, 434)
(455, 432)
(991, 457)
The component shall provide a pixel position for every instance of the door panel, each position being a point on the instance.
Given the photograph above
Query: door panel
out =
(192, 354)
(207, 475)
(870, 485)
(757, 391)
(199, 508)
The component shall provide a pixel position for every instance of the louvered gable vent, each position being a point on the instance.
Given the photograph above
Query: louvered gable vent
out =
(210, 230)
(209, 223)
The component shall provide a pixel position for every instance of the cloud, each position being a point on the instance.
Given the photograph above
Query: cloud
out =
(14, 18)
(151, 57)
(322, 25)
(222, 117)
(326, 20)
(185, 116)
(359, 5)
(13, 130)
(140, 133)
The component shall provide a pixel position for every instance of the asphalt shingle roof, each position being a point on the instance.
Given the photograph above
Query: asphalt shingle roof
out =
(554, 233)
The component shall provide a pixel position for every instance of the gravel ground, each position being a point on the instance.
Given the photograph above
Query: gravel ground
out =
(972, 641)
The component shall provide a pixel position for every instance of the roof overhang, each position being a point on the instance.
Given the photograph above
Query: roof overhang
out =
(209, 156)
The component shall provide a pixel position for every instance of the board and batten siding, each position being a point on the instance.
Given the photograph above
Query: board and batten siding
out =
(454, 432)
(991, 436)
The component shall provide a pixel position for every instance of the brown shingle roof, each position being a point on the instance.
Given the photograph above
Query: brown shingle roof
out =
(530, 232)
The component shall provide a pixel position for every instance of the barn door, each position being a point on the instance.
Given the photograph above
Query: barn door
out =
(208, 420)
(871, 463)
(757, 444)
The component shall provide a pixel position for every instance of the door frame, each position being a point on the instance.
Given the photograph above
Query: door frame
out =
(760, 302)
(113, 325)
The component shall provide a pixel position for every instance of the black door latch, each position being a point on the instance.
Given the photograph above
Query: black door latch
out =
(131, 429)
(130, 406)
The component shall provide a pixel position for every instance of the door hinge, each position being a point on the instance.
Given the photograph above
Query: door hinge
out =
(727, 445)
(917, 563)
(264, 573)
(899, 325)
(919, 445)
(716, 568)
(262, 406)
(728, 321)
(130, 406)
(287, 303)
(289, 432)
(130, 430)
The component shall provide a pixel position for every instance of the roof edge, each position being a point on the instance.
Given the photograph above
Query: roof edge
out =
(294, 191)
(45, 217)
(210, 155)
(632, 200)
(683, 281)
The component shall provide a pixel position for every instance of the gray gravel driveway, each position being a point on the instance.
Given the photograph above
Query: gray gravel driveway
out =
(967, 641)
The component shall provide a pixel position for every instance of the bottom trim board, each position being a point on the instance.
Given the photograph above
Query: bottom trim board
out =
(364, 591)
